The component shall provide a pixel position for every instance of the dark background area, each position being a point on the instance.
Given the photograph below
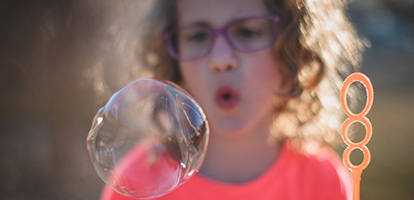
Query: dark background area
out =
(49, 96)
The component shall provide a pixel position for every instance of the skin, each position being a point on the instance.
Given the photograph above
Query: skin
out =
(239, 148)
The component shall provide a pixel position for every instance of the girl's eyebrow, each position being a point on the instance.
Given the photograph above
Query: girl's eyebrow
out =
(198, 23)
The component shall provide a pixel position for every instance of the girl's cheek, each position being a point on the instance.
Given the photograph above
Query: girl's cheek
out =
(193, 75)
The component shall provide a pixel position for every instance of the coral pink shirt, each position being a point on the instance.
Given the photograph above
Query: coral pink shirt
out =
(292, 176)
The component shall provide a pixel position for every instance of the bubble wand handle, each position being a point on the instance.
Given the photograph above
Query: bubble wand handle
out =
(356, 170)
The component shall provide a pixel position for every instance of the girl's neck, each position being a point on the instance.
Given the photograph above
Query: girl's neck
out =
(239, 160)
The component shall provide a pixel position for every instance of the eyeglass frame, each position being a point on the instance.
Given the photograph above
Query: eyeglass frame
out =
(215, 33)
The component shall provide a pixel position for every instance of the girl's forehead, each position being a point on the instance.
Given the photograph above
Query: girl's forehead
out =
(217, 12)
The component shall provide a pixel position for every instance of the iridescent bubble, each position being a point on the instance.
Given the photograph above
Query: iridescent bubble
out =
(148, 139)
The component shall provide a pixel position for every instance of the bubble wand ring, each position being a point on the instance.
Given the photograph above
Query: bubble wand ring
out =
(356, 170)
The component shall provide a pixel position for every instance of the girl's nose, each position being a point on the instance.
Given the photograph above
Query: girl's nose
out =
(222, 56)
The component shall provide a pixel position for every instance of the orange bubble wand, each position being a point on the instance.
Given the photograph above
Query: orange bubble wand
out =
(356, 171)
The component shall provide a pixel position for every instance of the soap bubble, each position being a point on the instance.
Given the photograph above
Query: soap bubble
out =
(148, 139)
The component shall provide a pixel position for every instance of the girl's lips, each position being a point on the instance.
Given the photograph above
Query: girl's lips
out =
(226, 97)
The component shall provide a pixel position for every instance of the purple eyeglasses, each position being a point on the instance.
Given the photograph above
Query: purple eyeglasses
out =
(248, 34)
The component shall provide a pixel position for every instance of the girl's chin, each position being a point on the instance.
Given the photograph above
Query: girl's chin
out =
(228, 130)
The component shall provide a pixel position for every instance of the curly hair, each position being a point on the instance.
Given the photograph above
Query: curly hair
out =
(317, 47)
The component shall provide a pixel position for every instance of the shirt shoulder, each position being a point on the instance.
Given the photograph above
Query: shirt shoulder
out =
(320, 175)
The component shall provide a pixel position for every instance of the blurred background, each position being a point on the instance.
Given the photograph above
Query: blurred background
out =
(51, 55)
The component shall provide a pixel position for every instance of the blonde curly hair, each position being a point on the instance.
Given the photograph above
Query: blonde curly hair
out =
(316, 48)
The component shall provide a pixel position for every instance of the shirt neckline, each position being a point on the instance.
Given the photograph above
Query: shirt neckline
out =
(265, 177)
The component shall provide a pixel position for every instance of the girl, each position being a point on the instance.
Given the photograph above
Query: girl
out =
(266, 74)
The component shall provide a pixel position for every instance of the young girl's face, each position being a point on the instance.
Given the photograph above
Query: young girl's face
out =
(234, 88)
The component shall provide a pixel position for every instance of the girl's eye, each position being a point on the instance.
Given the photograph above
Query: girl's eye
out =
(247, 33)
(197, 37)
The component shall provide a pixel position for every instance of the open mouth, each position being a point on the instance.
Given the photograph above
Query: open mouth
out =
(226, 97)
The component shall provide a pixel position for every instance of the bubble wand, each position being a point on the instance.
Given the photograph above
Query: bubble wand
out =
(356, 170)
